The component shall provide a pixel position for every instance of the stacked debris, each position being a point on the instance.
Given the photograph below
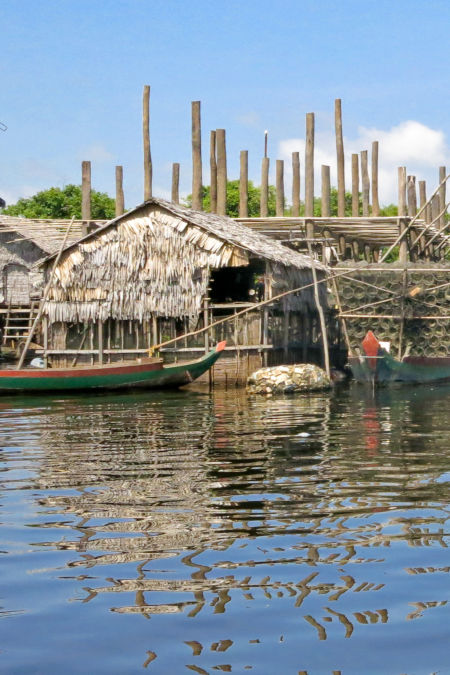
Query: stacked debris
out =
(288, 380)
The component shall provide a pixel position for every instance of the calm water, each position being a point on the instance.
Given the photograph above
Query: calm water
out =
(189, 532)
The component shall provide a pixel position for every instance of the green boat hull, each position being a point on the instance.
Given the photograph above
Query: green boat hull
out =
(147, 375)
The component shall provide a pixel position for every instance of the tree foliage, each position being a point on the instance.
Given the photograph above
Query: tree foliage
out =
(62, 203)
(254, 196)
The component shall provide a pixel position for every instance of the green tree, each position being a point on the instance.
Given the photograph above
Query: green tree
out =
(62, 203)
(254, 196)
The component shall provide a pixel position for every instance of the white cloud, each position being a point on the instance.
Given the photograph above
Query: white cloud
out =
(96, 153)
(412, 144)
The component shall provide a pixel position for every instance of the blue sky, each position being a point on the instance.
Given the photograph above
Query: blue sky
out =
(72, 74)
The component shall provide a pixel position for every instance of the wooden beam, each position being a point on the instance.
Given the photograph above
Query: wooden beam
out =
(295, 183)
(120, 201)
(309, 166)
(213, 172)
(355, 185)
(280, 187)
(340, 156)
(375, 199)
(326, 191)
(146, 141)
(175, 183)
(243, 185)
(197, 197)
(221, 172)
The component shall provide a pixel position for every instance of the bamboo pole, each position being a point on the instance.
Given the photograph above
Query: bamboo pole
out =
(326, 191)
(375, 199)
(213, 172)
(365, 183)
(295, 184)
(175, 183)
(402, 191)
(85, 196)
(280, 188)
(264, 197)
(148, 171)
(243, 185)
(355, 185)
(221, 172)
(120, 201)
(44, 297)
(340, 157)
(197, 201)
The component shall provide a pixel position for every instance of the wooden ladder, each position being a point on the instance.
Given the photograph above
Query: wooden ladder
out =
(18, 322)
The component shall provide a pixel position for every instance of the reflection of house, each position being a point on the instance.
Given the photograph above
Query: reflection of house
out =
(160, 270)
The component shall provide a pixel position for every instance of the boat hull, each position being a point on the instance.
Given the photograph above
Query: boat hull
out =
(147, 375)
(377, 366)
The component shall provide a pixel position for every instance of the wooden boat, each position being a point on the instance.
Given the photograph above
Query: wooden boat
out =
(149, 373)
(378, 366)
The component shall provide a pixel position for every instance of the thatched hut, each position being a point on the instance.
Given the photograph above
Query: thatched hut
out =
(162, 269)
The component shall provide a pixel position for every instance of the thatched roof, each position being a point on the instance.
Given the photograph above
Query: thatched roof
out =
(221, 227)
(47, 234)
(156, 261)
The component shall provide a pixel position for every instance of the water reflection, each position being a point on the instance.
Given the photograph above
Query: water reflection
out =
(313, 509)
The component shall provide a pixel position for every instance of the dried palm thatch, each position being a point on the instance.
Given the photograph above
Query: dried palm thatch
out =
(46, 233)
(156, 261)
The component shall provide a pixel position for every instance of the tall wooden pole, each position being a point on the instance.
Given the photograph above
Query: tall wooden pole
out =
(340, 157)
(120, 200)
(365, 183)
(146, 140)
(213, 172)
(85, 196)
(423, 195)
(375, 199)
(243, 185)
(221, 172)
(280, 187)
(412, 196)
(295, 184)
(442, 202)
(175, 183)
(309, 166)
(326, 191)
(264, 197)
(197, 200)
(402, 191)
(355, 185)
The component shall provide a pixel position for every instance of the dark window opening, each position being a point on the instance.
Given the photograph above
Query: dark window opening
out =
(238, 284)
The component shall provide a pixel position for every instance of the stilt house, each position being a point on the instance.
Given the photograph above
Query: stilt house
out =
(163, 270)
